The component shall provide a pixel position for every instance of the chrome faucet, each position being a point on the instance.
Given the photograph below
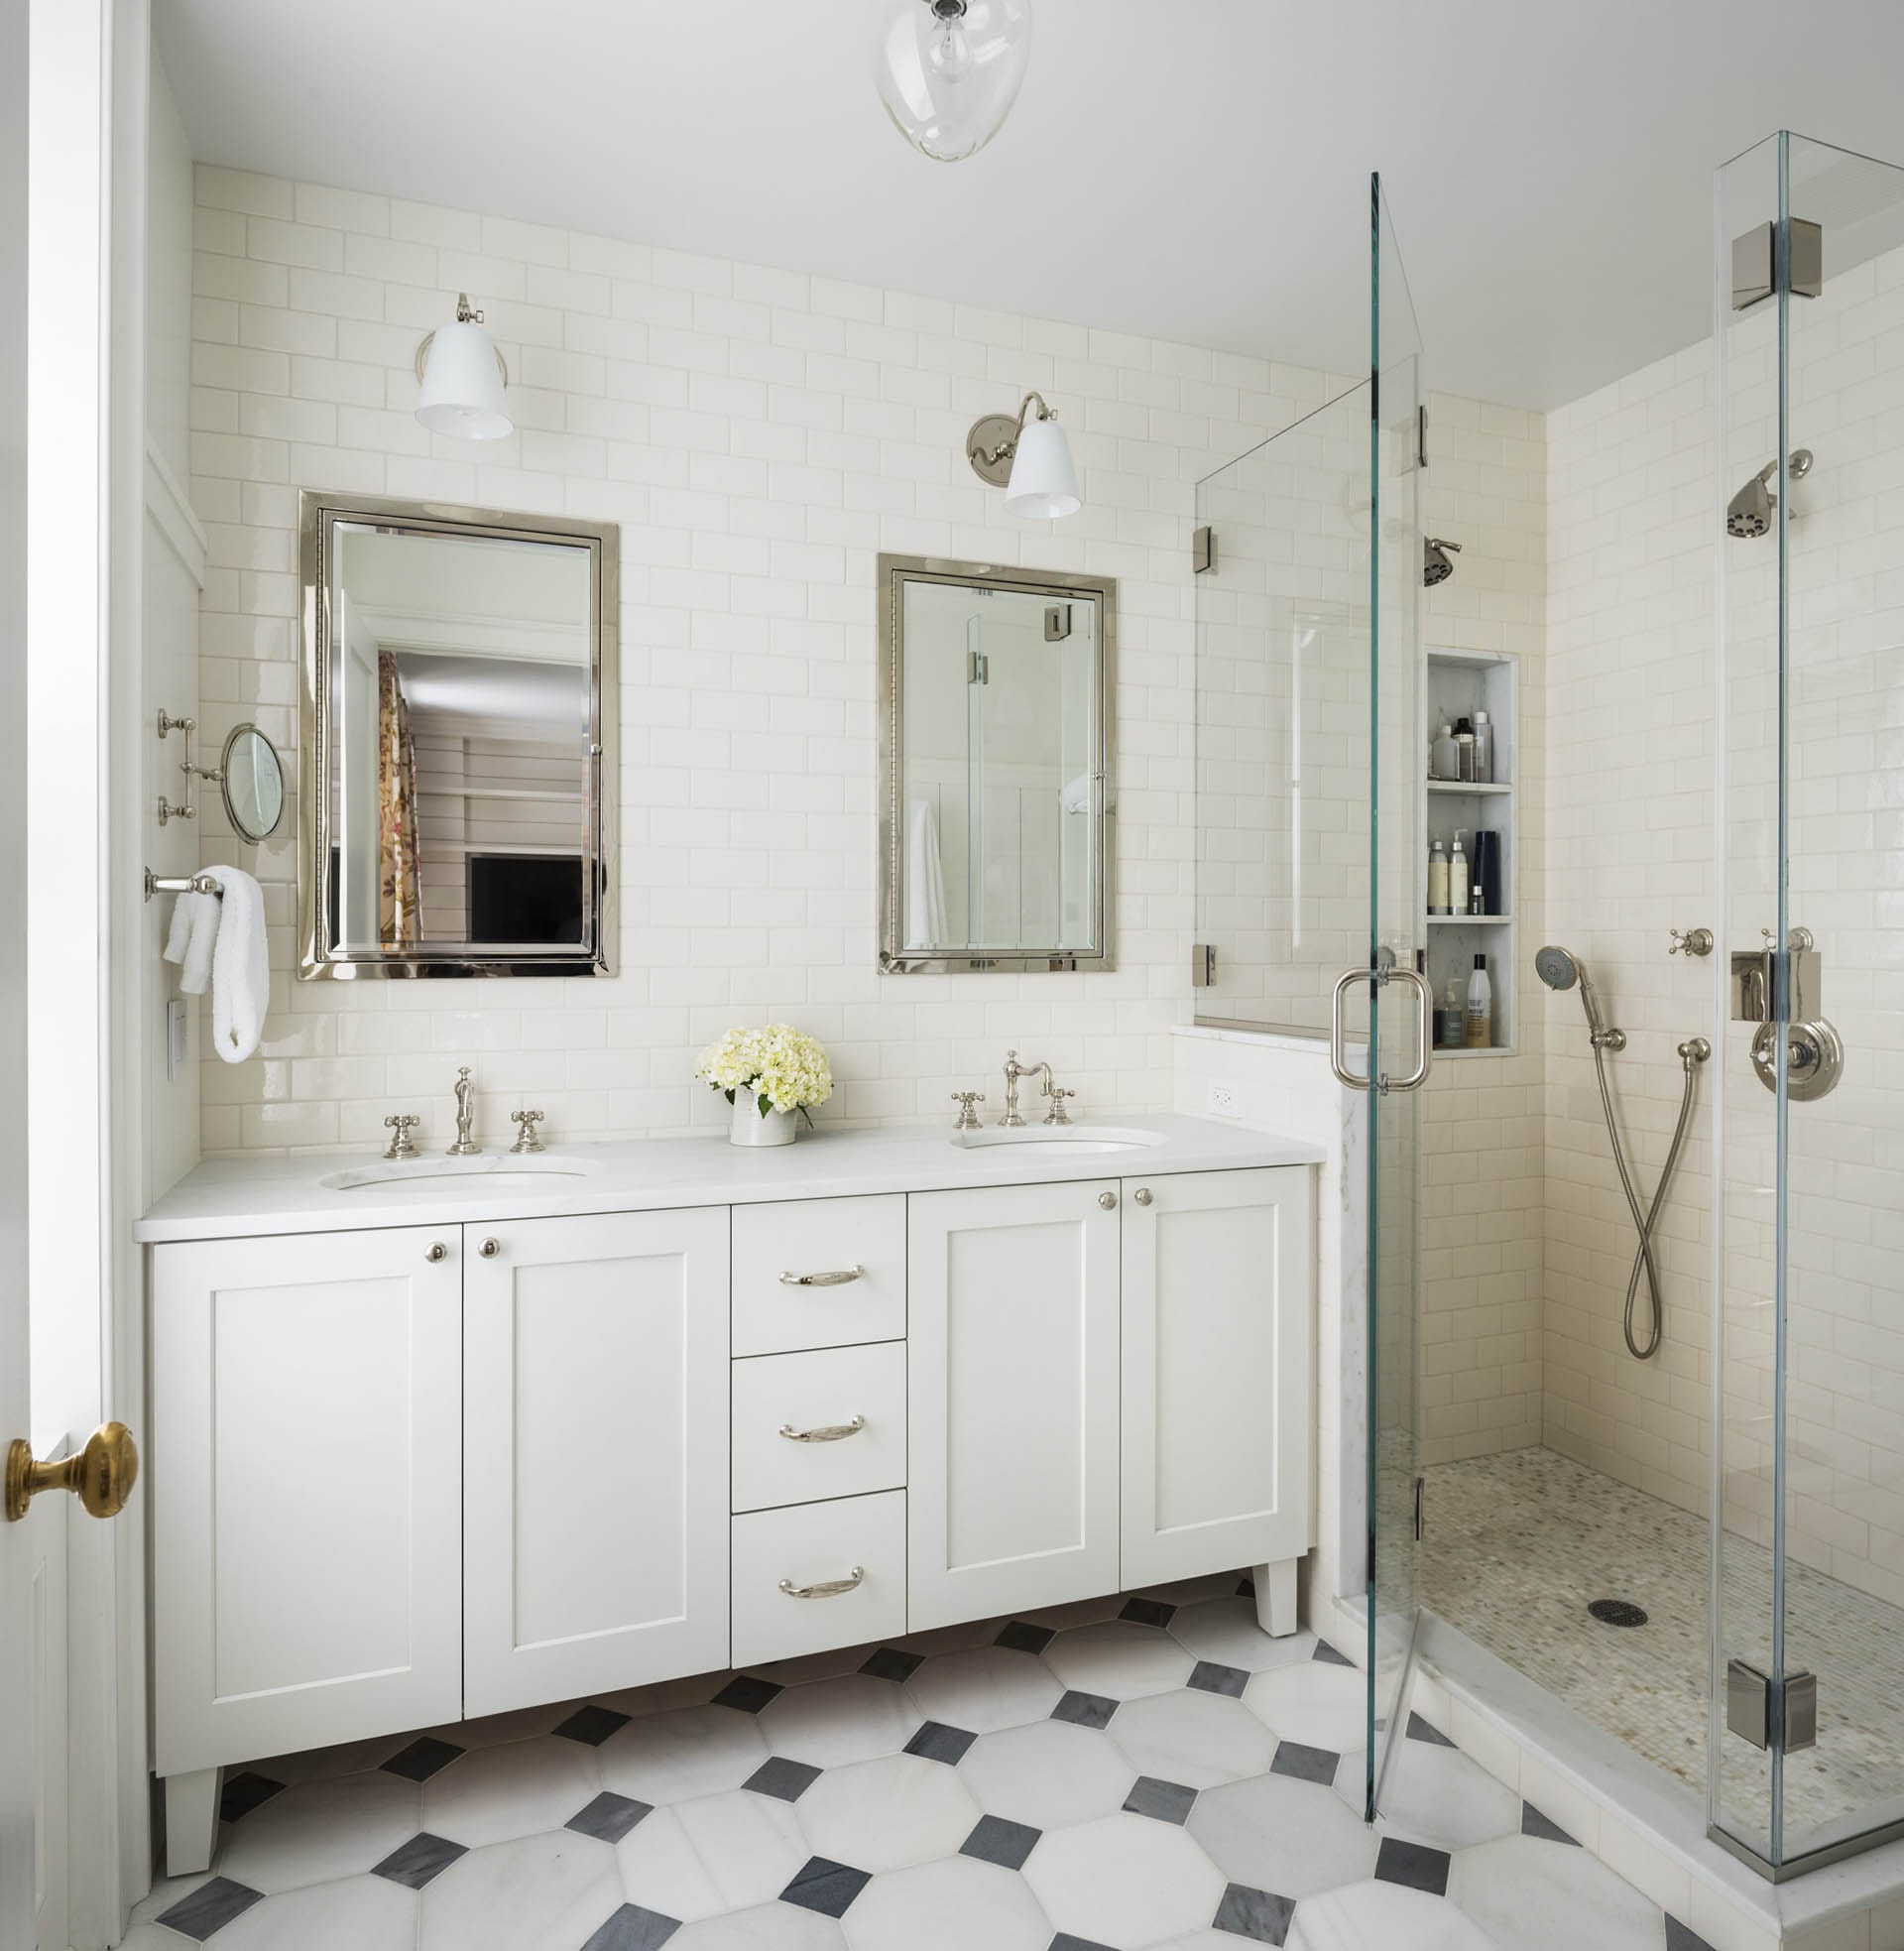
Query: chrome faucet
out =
(465, 1145)
(1013, 1070)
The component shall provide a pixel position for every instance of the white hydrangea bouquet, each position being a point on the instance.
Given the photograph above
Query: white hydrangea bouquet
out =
(768, 1075)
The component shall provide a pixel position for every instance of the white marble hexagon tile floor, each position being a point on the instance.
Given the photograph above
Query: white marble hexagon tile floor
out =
(1131, 1773)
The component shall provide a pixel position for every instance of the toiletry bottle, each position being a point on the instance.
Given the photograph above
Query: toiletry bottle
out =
(1458, 877)
(1464, 749)
(1444, 762)
(1483, 749)
(1449, 1025)
(1437, 880)
(1476, 899)
(1483, 869)
(1480, 1026)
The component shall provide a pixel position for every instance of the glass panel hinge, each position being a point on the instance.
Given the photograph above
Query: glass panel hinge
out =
(1203, 549)
(1750, 1694)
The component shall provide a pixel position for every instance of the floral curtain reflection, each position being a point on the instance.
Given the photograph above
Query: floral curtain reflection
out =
(400, 903)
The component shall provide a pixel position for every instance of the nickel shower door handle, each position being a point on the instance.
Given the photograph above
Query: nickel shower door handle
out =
(1424, 1029)
(1338, 1033)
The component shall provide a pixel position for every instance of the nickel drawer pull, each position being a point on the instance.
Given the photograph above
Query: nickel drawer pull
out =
(837, 1279)
(831, 1432)
(828, 1588)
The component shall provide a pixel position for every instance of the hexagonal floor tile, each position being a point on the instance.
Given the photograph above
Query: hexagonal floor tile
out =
(1437, 1796)
(1520, 1889)
(887, 1814)
(1278, 1833)
(1197, 1739)
(1320, 1705)
(1050, 1775)
(1123, 1881)
(688, 1752)
(368, 1913)
(542, 1889)
(1367, 1914)
(1225, 1630)
(985, 1688)
(771, 1928)
(849, 1719)
(660, 1870)
(1119, 1659)
(948, 1906)
(491, 1794)
(316, 1831)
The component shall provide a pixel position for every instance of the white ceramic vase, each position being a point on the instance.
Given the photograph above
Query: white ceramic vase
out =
(747, 1127)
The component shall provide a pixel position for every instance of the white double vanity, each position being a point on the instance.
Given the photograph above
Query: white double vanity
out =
(445, 1438)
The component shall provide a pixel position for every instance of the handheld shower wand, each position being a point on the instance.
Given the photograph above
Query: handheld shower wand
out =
(1560, 969)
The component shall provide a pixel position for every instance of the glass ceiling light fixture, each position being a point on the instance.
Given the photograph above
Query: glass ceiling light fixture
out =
(949, 69)
(1029, 459)
(460, 378)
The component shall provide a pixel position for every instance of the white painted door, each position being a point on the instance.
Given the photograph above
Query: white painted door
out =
(1216, 1371)
(305, 1549)
(1013, 1361)
(595, 1445)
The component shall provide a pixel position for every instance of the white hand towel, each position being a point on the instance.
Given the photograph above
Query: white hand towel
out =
(925, 919)
(194, 930)
(240, 966)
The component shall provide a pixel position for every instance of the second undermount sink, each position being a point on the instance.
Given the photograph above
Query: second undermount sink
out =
(498, 1174)
(1060, 1140)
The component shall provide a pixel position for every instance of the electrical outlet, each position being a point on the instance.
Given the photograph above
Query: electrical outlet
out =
(1224, 1099)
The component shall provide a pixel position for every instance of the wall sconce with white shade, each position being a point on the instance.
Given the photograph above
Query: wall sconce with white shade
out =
(1031, 459)
(460, 378)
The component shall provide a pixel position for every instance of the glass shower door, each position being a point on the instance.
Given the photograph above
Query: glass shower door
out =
(1399, 999)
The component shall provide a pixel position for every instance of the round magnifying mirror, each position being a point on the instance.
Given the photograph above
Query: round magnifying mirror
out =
(253, 782)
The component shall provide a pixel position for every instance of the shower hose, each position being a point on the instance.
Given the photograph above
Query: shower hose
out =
(1691, 1055)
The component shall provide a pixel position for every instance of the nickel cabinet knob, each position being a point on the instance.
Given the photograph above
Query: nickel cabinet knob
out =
(1142, 1195)
(490, 1249)
(436, 1251)
(1107, 1200)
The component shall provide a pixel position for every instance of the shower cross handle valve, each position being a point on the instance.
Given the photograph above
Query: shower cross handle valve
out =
(1690, 941)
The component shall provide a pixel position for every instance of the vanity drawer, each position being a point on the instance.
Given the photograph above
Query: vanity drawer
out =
(818, 1274)
(819, 1393)
(816, 1548)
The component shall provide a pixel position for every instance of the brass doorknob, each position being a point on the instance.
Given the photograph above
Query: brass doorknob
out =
(101, 1476)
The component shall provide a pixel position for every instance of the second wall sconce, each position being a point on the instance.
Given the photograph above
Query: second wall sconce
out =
(460, 378)
(1031, 459)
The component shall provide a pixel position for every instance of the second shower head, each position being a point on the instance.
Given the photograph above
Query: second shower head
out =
(1435, 565)
(1560, 968)
(1749, 512)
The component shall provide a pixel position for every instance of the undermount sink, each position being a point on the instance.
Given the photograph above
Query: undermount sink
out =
(497, 1174)
(1060, 1140)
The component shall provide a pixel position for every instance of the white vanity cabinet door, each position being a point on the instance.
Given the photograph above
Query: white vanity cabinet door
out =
(1216, 1371)
(819, 1274)
(595, 1454)
(306, 1502)
(1013, 1367)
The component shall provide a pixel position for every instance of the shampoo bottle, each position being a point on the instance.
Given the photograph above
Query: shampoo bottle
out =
(1463, 749)
(1483, 749)
(1458, 877)
(1444, 762)
(1449, 1029)
(1481, 1008)
(1438, 903)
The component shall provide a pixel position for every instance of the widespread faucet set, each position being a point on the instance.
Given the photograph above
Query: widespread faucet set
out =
(969, 1119)
(400, 1124)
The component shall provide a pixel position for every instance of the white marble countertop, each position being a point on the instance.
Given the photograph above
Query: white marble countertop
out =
(236, 1198)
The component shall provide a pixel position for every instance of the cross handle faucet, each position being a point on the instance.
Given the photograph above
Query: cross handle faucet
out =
(465, 1145)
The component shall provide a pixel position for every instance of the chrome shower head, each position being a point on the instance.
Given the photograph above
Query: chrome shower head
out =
(1435, 565)
(1556, 968)
(1749, 512)
(1560, 968)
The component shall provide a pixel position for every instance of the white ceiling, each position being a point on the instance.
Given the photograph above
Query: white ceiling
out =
(1192, 168)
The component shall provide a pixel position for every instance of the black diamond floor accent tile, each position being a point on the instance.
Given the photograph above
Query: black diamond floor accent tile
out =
(591, 1726)
(824, 1885)
(1087, 1710)
(939, 1743)
(1148, 1611)
(630, 1928)
(419, 1861)
(995, 1840)
(609, 1816)
(1533, 1823)
(748, 1692)
(1420, 1730)
(243, 1792)
(1211, 1678)
(1413, 1865)
(1260, 1915)
(1246, 1588)
(1165, 1801)
(1023, 1636)
(210, 1907)
(1305, 1764)
(785, 1780)
(894, 1663)
(1677, 1937)
(421, 1759)
(1329, 1655)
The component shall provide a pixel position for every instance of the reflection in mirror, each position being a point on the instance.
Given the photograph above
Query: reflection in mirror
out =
(995, 804)
(462, 753)
(252, 783)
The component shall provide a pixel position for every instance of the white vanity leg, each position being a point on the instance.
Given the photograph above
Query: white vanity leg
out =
(1276, 1598)
(191, 1821)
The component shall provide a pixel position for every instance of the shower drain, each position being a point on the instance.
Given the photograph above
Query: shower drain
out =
(1618, 1612)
